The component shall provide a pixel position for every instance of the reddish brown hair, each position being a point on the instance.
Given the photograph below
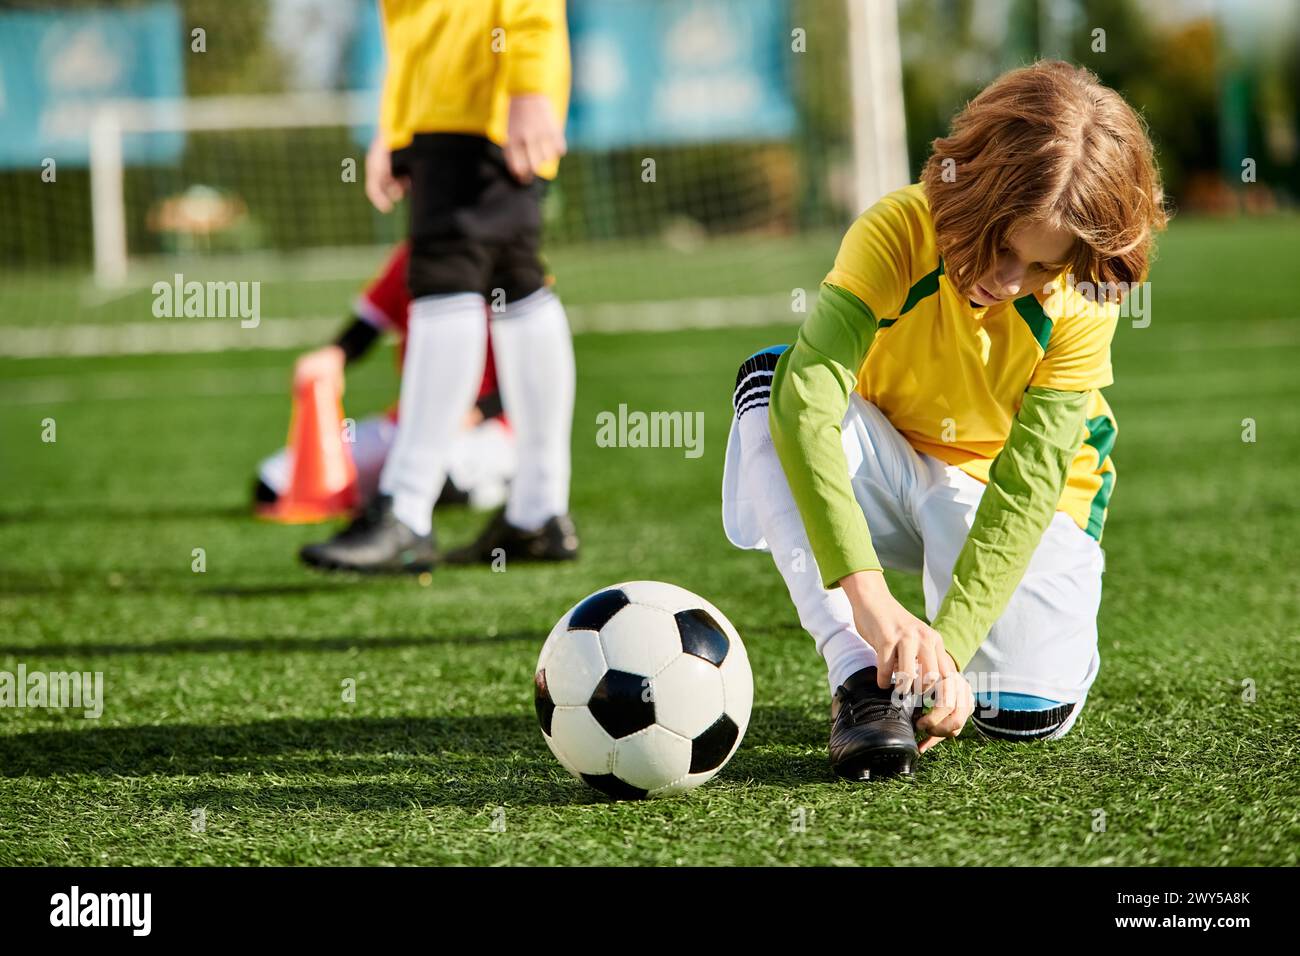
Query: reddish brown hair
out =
(1046, 143)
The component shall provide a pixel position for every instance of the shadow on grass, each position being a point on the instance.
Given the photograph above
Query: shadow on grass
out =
(262, 645)
(106, 581)
(531, 788)
(461, 761)
(107, 511)
(110, 582)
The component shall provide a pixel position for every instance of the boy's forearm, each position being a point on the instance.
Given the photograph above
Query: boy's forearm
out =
(1024, 489)
(810, 393)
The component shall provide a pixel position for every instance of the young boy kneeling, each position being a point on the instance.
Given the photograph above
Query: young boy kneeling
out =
(941, 413)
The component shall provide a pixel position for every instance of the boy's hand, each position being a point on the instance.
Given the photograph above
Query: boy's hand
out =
(383, 189)
(953, 703)
(909, 648)
(908, 651)
(324, 364)
(533, 137)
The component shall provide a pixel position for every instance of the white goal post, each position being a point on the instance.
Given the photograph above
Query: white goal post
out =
(876, 81)
(116, 119)
(735, 186)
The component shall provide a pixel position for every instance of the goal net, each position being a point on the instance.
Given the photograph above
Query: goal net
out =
(717, 150)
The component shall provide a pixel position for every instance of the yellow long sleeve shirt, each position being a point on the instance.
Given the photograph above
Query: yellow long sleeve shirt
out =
(454, 64)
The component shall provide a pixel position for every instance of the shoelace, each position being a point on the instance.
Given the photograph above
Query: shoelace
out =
(864, 709)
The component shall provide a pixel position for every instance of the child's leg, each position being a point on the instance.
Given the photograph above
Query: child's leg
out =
(533, 349)
(445, 348)
(760, 512)
(460, 209)
(825, 614)
(1032, 674)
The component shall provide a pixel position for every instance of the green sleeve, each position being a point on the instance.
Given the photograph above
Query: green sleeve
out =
(1025, 485)
(810, 394)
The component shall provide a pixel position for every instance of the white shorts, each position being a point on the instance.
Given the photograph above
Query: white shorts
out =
(919, 511)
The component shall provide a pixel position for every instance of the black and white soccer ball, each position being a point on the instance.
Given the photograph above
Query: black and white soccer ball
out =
(643, 689)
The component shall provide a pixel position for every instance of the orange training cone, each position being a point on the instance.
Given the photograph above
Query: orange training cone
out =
(323, 480)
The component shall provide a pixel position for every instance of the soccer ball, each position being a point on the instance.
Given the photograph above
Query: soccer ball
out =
(643, 689)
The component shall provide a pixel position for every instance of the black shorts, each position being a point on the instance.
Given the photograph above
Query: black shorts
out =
(474, 227)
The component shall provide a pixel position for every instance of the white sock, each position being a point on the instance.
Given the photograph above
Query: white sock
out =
(824, 613)
(446, 345)
(533, 349)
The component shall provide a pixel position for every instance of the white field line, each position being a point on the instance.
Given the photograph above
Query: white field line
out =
(185, 336)
(164, 337)
(175, 336)
(123, 386)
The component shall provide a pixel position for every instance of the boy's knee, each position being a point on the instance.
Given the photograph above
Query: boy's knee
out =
(1021, 718)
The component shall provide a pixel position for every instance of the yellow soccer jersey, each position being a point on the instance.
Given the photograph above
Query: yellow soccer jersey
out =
(454, 64)
(950, 375)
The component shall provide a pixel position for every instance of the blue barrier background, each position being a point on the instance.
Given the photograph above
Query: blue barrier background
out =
(657, 71)
(645, 72)
(56, 66)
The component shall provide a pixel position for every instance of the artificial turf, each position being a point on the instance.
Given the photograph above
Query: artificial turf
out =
(224, 689)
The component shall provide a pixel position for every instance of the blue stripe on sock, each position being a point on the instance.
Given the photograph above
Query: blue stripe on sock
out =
(1016, 701)
(772, 350)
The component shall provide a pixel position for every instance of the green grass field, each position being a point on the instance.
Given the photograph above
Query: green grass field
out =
(223, 689)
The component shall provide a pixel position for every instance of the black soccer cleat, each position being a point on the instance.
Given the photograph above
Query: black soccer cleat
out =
(557, 540)
(872, 736)
(374, 543)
